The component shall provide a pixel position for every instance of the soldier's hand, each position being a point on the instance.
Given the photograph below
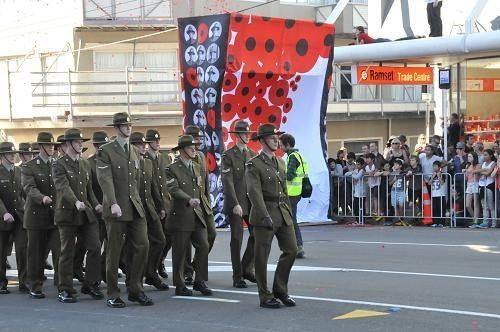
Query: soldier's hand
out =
(237, 210)
(116, 211)
(98, 208)
(46, 200)
(80, 206)
(267, 222)
(194, 202)
(163, 214)
(8, 218)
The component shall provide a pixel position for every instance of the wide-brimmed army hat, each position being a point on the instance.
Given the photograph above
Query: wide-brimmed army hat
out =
(185, 141)
(25, 148)
(73, 134)
(266, 129)
(121, 118)
(194, 131)
(137, 137)
(45, 137)
(152, 134)
(35, 148)
(100, 137)
(7, 147)
(241, 127)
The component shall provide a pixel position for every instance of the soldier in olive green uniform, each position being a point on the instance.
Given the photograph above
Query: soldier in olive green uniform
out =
(26, 152)
(237, 205)
(118, 173)
(271, 215)
(74, 216)
(159, 163)
(205, 198)
(11, 216)
(149, 191)
(186, 219)
(39, 214)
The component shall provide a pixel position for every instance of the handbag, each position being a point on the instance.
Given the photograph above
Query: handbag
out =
(306, 183)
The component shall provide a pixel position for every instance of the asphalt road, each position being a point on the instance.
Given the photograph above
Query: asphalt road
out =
(421, 279)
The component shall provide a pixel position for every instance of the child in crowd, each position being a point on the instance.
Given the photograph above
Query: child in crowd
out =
(385, 194)
(373, 184)
(487, 189)
(359, 187)
(414, 178)
(397, 183)
(472, 189)
(438, 194)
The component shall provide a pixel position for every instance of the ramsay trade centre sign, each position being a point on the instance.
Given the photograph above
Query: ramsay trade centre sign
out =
(375, 75)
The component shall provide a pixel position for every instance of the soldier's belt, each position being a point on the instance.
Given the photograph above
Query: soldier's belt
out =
(279, 200)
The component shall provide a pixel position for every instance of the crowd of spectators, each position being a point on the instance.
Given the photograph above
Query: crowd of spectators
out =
(393, 186)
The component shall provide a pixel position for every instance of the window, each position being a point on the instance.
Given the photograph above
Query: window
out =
(148, 60)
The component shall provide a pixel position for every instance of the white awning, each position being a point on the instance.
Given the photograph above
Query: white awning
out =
(444, 50)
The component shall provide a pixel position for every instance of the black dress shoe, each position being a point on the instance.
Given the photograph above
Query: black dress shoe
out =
(48, 266)
(93, 291)
(115, 303)
(239, 284)
(79, 276)
(188, 280)
(202, 288)
(66, 297)
(4, 290)
(287, 300)
(120, 275)
(7, 264)
(183, 291)
(270, 304)
(142, 299)
(24, 289)
(250, 277)
(37, 295)
(162, 271)
(44, 277)
(157, 283)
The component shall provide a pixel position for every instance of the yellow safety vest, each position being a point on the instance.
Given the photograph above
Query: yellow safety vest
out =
(294, 187)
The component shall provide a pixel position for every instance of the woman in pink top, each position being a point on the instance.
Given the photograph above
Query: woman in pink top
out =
(472, 190)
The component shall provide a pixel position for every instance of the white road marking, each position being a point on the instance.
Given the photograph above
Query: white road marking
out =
(377, 304)
(471, 246)
(213, 299)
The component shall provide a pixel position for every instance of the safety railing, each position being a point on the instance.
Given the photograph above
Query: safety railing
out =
(412, 199)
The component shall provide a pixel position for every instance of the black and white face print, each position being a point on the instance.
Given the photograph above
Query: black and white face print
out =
(215, 140)
(200, 75)
(202, 54)
(191, 56)
(199, 119)
(207, 141)
(215, 31)
(197, 97)
(213, 53)
(210, 97)
(212, 75)
(212, 180)
(190, 34)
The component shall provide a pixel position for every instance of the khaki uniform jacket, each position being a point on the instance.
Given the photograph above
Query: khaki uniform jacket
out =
(233, 179)
(149, 191)
(11, 197)
(73, 183)
(118, 175)
(183, 186)
(96, 188)
(204, 186)
(158, 167)
(36, 177)
(266, 183)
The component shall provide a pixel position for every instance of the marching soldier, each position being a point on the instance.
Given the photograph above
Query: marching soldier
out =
(118, 174)
(74, 216)
(11, 216)
(186, 220)
(271, 215)
(59, 151)
(39, 214)
(26, 152)
(197, 134)
(237, 205)
(152, 202)
(159, 162)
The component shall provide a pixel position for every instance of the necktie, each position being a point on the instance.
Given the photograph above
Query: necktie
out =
(245, 155)
(125, 147)
(191, 169)
(11, 174)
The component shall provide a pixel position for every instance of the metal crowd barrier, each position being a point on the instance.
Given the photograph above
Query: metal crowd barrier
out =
(418, 201)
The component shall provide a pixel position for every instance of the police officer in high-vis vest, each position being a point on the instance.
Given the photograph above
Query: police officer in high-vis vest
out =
(11, 216)
(271, 215)
(237, 205)
(118, 173)
(296, 169)
(75, 218)
(36, 177)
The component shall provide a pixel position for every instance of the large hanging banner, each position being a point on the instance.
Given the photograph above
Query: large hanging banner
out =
(273, 70)
(202, 58)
